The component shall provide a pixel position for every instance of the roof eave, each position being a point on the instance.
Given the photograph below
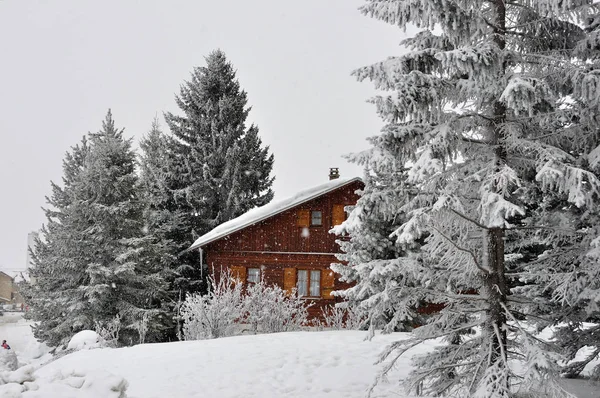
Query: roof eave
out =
(286, 208)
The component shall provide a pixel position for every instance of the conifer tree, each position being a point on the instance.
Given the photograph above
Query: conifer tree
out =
(371, 255)
(493, 112)
(58, 304)
(123, 280)
(223, 170)
(166, 224)
(93, 262)
(211, 168)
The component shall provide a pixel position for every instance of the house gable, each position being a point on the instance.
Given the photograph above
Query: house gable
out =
(281, 233)
(274, 208)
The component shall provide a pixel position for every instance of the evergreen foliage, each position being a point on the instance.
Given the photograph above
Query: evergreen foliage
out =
(491, 122)
(58, 305)
(209, 169)
(92, 261)
(372, 256)
(165, 225)
(221, 168)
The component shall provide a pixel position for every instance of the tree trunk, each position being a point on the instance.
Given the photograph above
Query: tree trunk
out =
(496, 291)
(495, 286)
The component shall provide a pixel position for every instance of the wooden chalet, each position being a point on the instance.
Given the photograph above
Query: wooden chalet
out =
(286, 242)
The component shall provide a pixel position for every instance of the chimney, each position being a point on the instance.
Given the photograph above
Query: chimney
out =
(334, 173)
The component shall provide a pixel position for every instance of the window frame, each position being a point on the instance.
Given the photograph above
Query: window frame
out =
(321, 218)
(309, 282)
(248, 281)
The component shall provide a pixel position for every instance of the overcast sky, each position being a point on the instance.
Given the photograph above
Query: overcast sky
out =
(63, 63)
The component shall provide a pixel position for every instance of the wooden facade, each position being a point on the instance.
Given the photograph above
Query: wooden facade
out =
(291, 248)
(9, 291)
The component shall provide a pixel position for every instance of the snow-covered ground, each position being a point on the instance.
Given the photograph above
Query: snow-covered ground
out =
(318, 364)
(17, 332)
(299, 364)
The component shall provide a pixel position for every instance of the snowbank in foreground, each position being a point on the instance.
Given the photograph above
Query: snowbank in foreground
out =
(84, 340)
(300, 364)
(30, 354)
(63, 384)
(335, 364)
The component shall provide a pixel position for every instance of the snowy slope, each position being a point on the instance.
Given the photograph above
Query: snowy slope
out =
(301, 364)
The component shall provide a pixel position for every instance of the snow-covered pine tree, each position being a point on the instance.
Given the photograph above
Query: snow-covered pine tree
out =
(58, 304)
(93, 261)
(222, 167)
(166, 224)
(371, 255)
(574, 284)
(212, 167)
(494, 107)
(124, 278)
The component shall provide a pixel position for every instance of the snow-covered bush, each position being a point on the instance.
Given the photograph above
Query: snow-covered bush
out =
(109, 331)
(342, 317)
(268, 309)
(213, 315)
(141, 326)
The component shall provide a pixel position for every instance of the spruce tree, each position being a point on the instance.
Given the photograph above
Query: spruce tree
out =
(123, 279)
(372, 256)
(493, 112)
(93, 262)
(222, 168)
(57, 301)
(211, 168)
(165, 224)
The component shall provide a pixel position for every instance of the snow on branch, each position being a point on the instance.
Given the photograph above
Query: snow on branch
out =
(581, 187)
(495, 210)
(425, 166)
(522, 94)
(469, 59)
(414, 228)
(426, 40)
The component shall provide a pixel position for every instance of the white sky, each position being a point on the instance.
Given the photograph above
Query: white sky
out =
(63, 63)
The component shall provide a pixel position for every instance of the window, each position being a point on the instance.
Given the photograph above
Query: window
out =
(309, 283)
(315, 283)
(253, 275)
(309, 218)
(316, 218)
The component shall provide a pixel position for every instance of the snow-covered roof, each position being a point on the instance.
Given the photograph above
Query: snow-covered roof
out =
(269, 210)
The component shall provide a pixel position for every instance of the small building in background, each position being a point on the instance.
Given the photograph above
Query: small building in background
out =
(9, 291)
(286, 242)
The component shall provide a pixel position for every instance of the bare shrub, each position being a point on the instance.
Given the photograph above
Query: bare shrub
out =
(213, 315)
(266, 309)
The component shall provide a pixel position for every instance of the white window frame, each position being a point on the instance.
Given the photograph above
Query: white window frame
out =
(310, 285)
(312, 224)
(248, 275)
